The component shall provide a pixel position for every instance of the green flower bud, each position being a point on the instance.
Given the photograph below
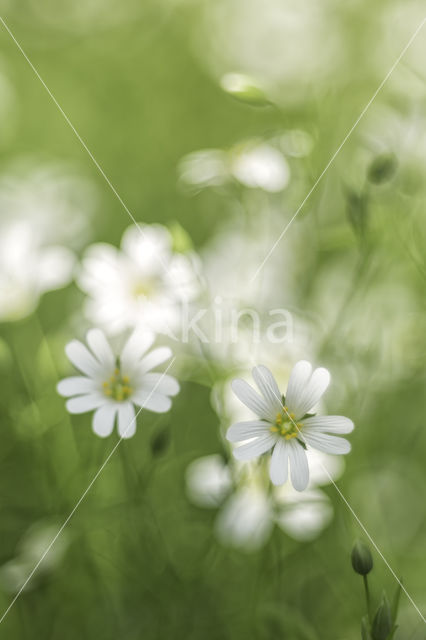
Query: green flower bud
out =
(244, 88)
(181, 240)
(382, 623)
(382, 168)
(362, 560)
(160, 442)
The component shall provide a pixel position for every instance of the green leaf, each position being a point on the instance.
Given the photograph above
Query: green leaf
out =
(308, 415)
(244, 88)
(395, 601)
(357, 210)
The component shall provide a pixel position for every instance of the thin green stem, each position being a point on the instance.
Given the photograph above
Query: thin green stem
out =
(367, 598)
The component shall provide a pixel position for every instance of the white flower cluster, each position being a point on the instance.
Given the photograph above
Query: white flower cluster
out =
(135, 294)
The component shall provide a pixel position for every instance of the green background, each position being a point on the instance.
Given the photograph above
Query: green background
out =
(141, 561)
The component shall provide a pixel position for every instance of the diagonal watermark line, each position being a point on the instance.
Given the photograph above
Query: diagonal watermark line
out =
(79, 138)
(336, 153)
(82, 497)
(346, 501)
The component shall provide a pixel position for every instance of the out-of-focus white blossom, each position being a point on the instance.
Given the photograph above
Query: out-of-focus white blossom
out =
(292, 48)
(249, 508)
(41, 209)
(32, 546)
(208, 480)
(144, 283)
(261, 166)
(253, 164)
(204, 168)
(55, 202)
(28, 268)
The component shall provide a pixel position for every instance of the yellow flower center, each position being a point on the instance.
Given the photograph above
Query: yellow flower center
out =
(117, 387)
(143, 288)
(285, 425)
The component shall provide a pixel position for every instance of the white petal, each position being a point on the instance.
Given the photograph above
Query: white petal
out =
(126, 420)
(330, 424)
(154, 358)
(99, 345)
(208, 480)
(255, 448)
(162, 383)
(304, 519)
(152, 401)
(82, 359)
(246, 430)
(246, 519)
(304, 391)
(103, 420)
(268, 387)
(136, 346)
(252, 400)
(298, 465)
(81, 404)
(326, 443)
(299, 377)
(278, 470)
(76, 385)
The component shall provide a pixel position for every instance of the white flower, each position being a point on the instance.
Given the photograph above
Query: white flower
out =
(248, 509)
(54, 201)
(144, 282)
(28, 269)
(41, 209)
(261, 166)
(284, 424)
(208, 480)
(111, 386)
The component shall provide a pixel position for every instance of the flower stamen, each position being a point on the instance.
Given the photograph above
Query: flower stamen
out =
(117, 387)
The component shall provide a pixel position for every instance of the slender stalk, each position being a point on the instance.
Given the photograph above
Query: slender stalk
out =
(367, 598)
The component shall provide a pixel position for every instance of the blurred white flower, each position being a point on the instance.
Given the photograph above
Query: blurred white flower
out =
(246, 519)
(260, 166)
(292, 48)
(208, 480)
(204, 168)
(249, 508)
(284, 424)
(53, 200)
(144, 283)
(244, 88)
(111, 385)
(31, 548)
(28, 269)
(398, 21)
(40, 209)
(254, 164)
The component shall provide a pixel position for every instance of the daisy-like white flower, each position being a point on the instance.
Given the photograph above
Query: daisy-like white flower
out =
(112, 386)
(144, 283)
(284, 424)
